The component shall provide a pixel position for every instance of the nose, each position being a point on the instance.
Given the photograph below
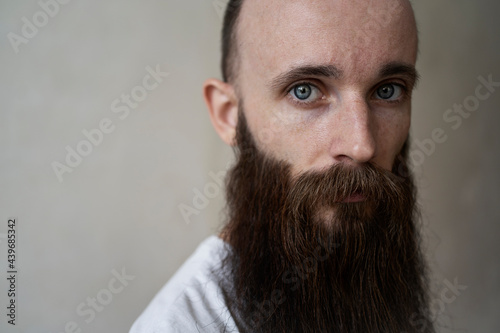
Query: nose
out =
(354, 141)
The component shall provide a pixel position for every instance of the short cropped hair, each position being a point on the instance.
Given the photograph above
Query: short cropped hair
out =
(229, 49)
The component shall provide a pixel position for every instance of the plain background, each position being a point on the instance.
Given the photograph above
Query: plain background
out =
(119, 209)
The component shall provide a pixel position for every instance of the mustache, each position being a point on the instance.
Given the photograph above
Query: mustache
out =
(331, 187)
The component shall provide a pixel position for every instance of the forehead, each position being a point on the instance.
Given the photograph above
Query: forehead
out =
(357, 36)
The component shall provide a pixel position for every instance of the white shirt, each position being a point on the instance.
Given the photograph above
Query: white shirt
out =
(192, 300)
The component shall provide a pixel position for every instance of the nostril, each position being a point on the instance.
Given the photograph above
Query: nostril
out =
(344, 159)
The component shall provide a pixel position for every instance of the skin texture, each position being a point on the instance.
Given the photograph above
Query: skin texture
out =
(346, 121)
(319, 172)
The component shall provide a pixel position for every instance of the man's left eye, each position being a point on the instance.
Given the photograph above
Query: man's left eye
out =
(389, 92)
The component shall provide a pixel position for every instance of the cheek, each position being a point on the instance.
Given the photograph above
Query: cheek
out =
(391, 137)
(281, 134)
(266, 126)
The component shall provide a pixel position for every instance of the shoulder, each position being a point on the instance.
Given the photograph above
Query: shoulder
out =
(192, 300)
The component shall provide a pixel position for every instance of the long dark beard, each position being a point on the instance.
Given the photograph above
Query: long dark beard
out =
(303, 261)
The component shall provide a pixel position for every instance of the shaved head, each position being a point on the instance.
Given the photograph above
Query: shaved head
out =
(255, 11)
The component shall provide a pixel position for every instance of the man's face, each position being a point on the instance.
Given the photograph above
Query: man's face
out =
(324, 92)
(327, 81)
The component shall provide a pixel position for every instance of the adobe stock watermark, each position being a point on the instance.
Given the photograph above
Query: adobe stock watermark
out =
(202, 197)
(293, 279)
(89, 308)
(381, 15)
(121, 107)
(212, 189)
(30, 27)
(448, 294)
(454, 117)
(421, 149)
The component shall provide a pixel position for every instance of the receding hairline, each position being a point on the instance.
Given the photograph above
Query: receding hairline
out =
(229, 39)
(230, 55)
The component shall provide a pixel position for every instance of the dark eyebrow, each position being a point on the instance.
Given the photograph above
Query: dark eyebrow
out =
(399, 68)
(298, 73)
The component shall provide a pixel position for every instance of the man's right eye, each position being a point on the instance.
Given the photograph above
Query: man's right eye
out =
(302, 91)
(305, 93)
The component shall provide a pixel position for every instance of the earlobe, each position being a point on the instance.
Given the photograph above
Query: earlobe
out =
(222, 104)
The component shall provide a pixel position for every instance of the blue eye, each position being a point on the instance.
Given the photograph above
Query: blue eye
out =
(305, 94)
(389, 92)
(302, 91)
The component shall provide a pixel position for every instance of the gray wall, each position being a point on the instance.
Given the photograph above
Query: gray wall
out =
(118, 209)
(459, 181)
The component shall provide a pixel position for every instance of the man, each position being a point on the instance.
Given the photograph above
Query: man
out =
(320, 236)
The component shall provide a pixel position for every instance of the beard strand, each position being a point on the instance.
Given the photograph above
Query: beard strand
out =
(302, 260)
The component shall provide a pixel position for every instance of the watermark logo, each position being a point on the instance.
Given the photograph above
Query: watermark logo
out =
(453, 116)
(30, 27)
(121, 107)
(201, 198)
(448, 294)
(89, 308)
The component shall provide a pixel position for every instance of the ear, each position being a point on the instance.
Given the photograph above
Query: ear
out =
(223, 108)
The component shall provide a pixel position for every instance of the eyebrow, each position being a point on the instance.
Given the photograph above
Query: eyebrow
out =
(300, 72)
(399, 68)
(330, 71)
